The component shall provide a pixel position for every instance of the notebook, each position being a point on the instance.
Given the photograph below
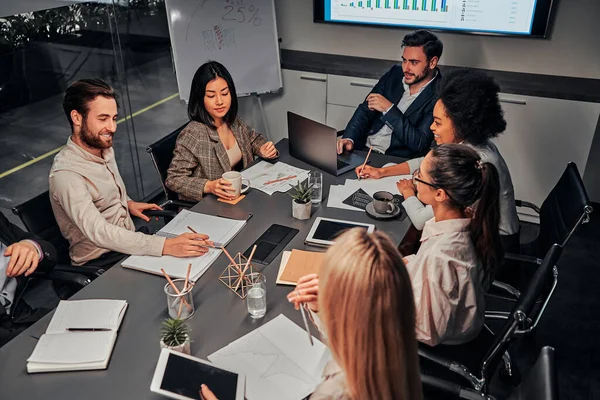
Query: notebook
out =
(220, 230)
(62, 350)
(297, 263)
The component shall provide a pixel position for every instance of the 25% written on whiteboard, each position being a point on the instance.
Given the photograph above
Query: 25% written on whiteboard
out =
(235, 10)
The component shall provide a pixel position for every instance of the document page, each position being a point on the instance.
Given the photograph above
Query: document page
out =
(278, 361)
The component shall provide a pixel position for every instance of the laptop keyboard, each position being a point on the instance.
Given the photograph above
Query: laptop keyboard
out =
(341, 164)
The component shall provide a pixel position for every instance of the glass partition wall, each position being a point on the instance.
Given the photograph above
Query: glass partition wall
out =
(42, 51)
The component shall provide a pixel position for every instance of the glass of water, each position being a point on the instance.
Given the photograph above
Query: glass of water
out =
(315, 178)
(256, 298)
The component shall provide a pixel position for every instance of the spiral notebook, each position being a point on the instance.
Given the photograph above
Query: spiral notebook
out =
(89, 347)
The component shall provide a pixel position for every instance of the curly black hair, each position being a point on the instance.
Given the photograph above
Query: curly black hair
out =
(470, 98)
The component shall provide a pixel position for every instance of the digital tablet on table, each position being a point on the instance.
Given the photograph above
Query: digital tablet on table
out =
(325, 230)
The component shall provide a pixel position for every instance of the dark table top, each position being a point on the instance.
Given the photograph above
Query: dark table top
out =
(220, 318)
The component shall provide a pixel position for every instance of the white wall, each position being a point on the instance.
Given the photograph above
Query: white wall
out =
(573, 48)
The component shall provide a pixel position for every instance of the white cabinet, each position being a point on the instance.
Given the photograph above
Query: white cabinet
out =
(344, 94)
(541, 137)
(303, 93)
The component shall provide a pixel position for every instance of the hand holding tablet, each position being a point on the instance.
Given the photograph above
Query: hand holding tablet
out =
(179, 376)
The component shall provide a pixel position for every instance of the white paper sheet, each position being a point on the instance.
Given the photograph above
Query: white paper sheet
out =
(262, 174)
(278, 361)
(339, 193)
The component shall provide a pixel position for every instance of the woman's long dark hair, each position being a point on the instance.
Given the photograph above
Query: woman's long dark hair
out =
(459, 171)
(206, 73)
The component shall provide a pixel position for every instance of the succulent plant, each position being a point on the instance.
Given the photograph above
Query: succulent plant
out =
(302, 192)
(174, 332)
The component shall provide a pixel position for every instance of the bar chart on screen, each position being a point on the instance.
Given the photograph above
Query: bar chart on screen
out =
(499, 15)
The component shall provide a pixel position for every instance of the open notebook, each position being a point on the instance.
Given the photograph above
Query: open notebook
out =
(62, 350)
(220, 230)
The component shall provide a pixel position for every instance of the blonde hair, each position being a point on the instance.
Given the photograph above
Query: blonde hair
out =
(367, 307)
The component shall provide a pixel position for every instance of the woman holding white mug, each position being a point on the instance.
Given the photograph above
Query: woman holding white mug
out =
(215, 141)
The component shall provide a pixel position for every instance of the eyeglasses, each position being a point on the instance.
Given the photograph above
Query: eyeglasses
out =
(417, 178)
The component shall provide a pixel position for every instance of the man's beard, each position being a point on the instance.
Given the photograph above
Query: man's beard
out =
(92, 140)
(420, 78)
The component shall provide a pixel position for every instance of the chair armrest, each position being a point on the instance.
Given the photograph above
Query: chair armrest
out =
(451, 390)
(64, 277)
(526, 204)
(160, 213)
(523, 258)
(507, 288)
(183, 203)
(452, 366)
(88, 271)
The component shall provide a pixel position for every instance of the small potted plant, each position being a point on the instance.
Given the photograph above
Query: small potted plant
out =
(175, 335)
(301, 205)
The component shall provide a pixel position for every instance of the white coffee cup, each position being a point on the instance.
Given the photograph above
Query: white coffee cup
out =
(235, 178)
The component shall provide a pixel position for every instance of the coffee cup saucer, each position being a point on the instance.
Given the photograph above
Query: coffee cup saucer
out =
(370, 209)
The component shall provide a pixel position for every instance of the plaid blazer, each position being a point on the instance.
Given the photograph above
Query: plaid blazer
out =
(199, 157)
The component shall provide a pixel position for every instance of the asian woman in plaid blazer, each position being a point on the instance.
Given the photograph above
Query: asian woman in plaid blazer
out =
(215, 141)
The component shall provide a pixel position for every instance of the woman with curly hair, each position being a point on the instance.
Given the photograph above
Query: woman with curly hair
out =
(468, 111)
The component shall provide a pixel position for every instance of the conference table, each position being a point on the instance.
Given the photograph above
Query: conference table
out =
(220, 318)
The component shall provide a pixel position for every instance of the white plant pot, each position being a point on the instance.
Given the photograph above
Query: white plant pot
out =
(182, 348)
(301, 211)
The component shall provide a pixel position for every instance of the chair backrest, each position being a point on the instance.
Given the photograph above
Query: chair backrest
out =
(523, 310)
(38, 218)
(541, 382)
(162, 154)
(564, 210)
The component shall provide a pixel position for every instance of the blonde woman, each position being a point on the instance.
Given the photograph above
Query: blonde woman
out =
(367, 313)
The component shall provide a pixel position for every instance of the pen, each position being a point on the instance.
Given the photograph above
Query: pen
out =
(302, 311)
(89, 329)
(365, 163)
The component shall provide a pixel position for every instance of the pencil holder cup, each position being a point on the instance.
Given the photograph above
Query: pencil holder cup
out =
(180, 305)
(235, 278)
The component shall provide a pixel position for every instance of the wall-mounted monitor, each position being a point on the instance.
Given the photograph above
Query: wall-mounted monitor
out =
(527, 18)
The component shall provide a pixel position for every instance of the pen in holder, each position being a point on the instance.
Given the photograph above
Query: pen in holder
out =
(236, 275)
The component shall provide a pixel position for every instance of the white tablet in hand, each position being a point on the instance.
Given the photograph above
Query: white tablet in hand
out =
(179, 376)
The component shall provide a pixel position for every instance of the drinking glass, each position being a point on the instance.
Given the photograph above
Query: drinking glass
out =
(256, 298)
(315, 178)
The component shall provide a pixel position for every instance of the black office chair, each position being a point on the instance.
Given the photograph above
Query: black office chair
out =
(475, 362)
(565, 209)
(162, 154)
(38, 218)
(540, 384)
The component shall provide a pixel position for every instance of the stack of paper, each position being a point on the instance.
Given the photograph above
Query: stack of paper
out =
(270, 178)
(80, 336)
(278, 360)
(339, 193)
(220, 230)
(297, 263)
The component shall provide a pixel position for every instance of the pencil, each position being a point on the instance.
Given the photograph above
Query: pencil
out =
(302, 311)
(192, 229)
(245, 268)
(237, 267)
(365, 163)
(175, 288)
(280, 179)
(187, 278)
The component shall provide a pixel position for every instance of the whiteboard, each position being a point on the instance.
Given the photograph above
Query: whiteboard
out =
(240, 34)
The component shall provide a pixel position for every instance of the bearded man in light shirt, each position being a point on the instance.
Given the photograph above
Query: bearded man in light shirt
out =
(88, 195)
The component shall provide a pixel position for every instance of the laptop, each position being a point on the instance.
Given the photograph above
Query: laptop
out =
(316, 144)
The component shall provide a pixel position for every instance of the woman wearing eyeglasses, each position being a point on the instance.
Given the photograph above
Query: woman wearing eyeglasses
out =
(460, 250)
(468, 112)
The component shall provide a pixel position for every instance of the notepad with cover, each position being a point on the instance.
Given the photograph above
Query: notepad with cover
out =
(62, 350)
(221, 230)
(297, 263)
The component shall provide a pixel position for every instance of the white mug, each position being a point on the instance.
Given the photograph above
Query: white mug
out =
(235, 178)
